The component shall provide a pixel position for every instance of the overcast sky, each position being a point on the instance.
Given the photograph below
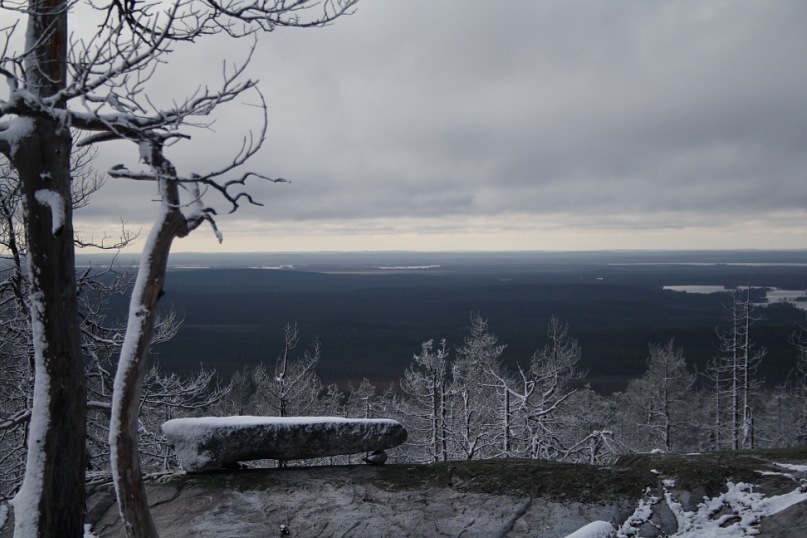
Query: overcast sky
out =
(539, 125)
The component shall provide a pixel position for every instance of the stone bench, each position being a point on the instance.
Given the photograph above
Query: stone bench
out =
(208, 443)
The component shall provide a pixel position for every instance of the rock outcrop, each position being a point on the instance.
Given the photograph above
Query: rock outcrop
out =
(502, 498)
(459, 499)
(208, 443)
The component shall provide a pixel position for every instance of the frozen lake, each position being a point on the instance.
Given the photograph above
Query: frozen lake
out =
(774, 295)
(697, 289)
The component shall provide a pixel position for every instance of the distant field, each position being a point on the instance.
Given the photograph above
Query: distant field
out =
(372, 315)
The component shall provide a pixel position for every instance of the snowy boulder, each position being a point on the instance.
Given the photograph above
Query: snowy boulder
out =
(208, 443)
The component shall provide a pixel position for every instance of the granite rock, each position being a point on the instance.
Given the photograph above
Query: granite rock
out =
(209, 443)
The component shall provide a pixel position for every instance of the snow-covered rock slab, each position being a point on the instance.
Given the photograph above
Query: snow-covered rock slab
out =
(208, 443)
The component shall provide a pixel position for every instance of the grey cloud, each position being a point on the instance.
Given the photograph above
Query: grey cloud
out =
(424, 108)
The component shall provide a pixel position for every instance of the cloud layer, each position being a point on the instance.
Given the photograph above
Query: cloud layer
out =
(559, 124)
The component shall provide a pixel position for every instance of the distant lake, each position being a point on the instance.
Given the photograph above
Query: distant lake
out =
(697, 289)
(774, 295)
(796, 297)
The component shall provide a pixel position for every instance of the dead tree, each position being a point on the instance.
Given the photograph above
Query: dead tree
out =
(99, 84)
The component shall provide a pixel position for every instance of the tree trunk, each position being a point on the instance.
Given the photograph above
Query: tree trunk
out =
(51, 499)
(506, 426)
(56, 450)
(131, 493)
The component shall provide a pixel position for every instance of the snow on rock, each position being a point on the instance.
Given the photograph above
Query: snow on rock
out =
(640, 516)
(596, 529)
(208, 443)
(736, 512)
(792, 467)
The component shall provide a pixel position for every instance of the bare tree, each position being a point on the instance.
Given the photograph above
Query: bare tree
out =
(99, 83)
(292, 386)
(733, 376)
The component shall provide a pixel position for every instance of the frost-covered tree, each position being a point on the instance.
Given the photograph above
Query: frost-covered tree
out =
(100, 84)
(331, 402)
(477, 400)
(790, 401)
(291, 388)
(425, 384)
(237, 401)
(16, 347)
(474, 407)
(549, 383)
(585, 428)
(780, 417)
(657, 402)
(365, 401)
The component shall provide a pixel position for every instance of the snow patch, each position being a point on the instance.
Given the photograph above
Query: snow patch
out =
(778, 503)
(639, 516)
(16, 130)
(3, 515)
(406, 267)
(737, 512)
(55, 202)
(792, 467)
(773, 473)
(145, 148)
(272, 267)
(596, 529)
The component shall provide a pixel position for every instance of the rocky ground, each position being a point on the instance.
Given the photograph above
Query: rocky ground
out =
(479, 498)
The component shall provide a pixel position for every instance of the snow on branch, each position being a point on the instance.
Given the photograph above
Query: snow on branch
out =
(20, 417)
(11, 133)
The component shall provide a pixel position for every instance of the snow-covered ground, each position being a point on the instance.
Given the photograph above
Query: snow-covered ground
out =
(736, 512)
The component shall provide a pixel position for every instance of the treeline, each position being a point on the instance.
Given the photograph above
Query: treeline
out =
(462, 402)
